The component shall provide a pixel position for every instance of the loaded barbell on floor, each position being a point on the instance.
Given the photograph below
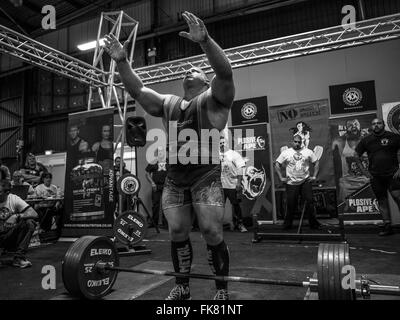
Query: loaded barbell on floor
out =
(91, 264)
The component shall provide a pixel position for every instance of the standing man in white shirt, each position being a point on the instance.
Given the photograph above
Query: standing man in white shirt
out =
(232, 165)
(297, 161)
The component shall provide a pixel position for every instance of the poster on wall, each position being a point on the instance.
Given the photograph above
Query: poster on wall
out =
(353, 98)
(256, 195)
(310, 121)
(250, 111)
(391, 115)
(89, 176)
(356, 200)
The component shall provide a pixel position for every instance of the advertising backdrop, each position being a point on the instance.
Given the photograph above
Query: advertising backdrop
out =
(256, 195)
(353, 98)
(356, 201)
(250, 111)
(89, 177)
(310, 120)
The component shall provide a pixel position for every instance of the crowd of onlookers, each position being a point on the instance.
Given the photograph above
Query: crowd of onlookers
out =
(30, 205)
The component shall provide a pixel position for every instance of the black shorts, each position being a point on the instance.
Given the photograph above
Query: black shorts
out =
(382, 184)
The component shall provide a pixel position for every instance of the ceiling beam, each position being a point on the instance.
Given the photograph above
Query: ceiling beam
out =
(32, 6)
(77, 4)
(17, 24)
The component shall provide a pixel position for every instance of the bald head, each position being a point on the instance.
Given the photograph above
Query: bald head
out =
(195, 78)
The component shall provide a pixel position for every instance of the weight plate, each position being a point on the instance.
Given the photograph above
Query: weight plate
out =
(130, 228)
(80, 276)
(69, 264)
(128, 184)
(331, 259)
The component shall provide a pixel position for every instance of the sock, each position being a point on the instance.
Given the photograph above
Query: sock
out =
(182, 256)
(218, 259)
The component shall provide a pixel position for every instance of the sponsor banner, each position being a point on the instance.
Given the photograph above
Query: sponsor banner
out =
(361, 205)
(89, 177)
(391, 115)
(356, 201)
(249, 111)
(256, 195)
(310, 121)
(353, 98)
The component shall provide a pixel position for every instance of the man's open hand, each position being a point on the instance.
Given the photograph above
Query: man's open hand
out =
(115, 49)
(197, 29)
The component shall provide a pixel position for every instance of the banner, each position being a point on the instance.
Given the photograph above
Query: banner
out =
(250, 111)
(89, 177)
(353, 98)
(256, 192)
(310, 121)
(391, 115)
(356, 201)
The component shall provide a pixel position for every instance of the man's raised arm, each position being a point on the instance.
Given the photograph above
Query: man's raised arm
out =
(222, 86)
(150, 100)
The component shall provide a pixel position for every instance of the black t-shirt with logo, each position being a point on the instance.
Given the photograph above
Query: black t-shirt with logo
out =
(382, 153)
(159, 172)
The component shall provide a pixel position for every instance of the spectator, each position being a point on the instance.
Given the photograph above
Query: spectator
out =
(4, 171)
(16, 225)
(156, 174)
(47, 209)
(18, 180)
(117, 163)
(232, 164)
(33, 170)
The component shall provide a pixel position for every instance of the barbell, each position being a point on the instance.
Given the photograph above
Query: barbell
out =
(91, 265)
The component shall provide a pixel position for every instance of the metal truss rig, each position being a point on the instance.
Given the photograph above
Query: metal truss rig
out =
(40, 55)
(364, 32)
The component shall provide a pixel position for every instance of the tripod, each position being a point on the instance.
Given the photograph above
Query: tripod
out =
(135, 203)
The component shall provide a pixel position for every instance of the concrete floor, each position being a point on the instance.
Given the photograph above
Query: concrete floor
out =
(377, 257)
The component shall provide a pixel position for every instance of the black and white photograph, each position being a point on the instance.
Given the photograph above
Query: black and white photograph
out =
(199, 150)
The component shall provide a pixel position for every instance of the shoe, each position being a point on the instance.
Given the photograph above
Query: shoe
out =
(179, 292)
(242, 228)
(21, 263)
(222, 294)
(387, 231)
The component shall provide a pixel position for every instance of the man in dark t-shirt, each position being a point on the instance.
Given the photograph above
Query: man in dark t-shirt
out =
(156, 174)
(383, 150)
(190, 186)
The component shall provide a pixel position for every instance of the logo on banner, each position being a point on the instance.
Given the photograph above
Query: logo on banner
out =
(253, 182)
(366, 205)
(393, 119)
(308, 111)
(249, 110)
(261, 142)
(352, 97)
(252, 143)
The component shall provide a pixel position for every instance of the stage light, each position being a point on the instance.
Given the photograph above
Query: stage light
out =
(90, 45)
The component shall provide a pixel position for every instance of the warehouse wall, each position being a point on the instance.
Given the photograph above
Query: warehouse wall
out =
(303, 79)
